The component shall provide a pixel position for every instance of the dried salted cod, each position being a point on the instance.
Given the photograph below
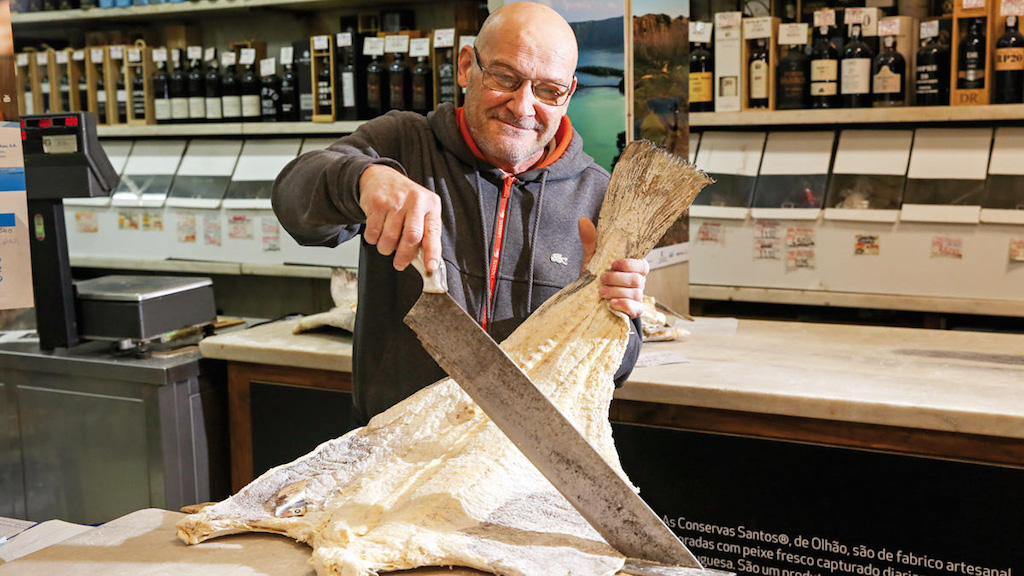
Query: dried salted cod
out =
(432, 481)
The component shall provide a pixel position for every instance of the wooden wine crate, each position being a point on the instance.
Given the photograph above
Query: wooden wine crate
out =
(27, 76)
(139, 65)
(963, 11)
(113, 71)
(76, 73)
(765, 27)
(322, 55)
(42, 84)
(95, 69)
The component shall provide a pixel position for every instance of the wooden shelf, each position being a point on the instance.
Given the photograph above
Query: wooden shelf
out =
(229, 129)
(903, 115)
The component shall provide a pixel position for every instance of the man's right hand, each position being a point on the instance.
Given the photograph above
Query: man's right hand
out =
(401, 216)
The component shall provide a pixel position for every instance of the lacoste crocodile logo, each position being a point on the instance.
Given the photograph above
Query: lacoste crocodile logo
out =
(559, 259)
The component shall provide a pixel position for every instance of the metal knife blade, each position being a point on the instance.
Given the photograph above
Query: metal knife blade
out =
(550, 441)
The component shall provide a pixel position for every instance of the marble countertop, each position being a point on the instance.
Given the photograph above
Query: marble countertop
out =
(966, 382)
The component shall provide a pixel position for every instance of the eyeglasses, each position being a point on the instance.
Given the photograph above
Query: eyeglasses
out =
(504, 79)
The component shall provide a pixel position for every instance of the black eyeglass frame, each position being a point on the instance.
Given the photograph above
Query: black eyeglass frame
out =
(568, 90)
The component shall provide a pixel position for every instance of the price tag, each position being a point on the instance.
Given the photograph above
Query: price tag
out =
(889, 27)
(754, 28)
(700, 32)
(78, 55)
(373, 47)
(930, 29)
(824, 18)
(21, 60)
(62, 57)
(42, 59)
(793, 34)
(96, 55)
(853, 16)
(728, 19)
(419, 47)
(248, 56)
(176, 55)
(343, 39)
(117, 52)
(287, 55)
(228, 59)
(397, 44)
(210, 54)
(194, 52)
(1012, 8)
(444, 38)
(973, 4)
(268, 67)
(134, 55)
(159, 54)
(466, 41)
(321, 42)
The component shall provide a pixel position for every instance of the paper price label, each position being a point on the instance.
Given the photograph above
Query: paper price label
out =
(42, 59)
(194, 52)
(176, 55)
(853, 16)
(700, 32)
(444, 38)
(419, 47)
(21, 60)
(1012, 8)
(321, 42)
(973, 4)
(793, 34)
(728, 19)
(930, 29)
(62, 57)
(373, 47)
(343, 39)
(398, 44)
(117, 52)
(78, 55)
(754, 28)
(134, 55)
(247, 57)
(159, 54)
(824, 18)
(228, 59)
(287, 55)
(209, 54)
(889, 27)
(466, 41)
(96, 55)
(268, 67)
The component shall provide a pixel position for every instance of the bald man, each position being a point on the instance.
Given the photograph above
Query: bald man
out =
(500, 188)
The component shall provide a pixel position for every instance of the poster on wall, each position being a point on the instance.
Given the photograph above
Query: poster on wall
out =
(15, 258)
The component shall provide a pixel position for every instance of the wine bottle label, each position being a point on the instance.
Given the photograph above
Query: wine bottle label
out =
(101, 96)
(45, 87)
(197, 107)
(701, 86)
(162, 109)
(179, 108)
(29, 105)
(758, 79)
(138, 105)
(419, 95)
(250, 105)
(213, 109)
(305, 101)
(887, 82)
(324, 96)
(824, 71)
(373, 93)
(856, 76)
(231, 106)
(397, 93)
(1009, 59)
(972, 75)
(348, 89)
(928, 79)
(122, 96)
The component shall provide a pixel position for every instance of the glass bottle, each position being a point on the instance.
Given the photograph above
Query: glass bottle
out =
(446, 77)
(888, 81)
(422, 86)
(196, 88)
(250, 94)
(324, 86)
(161, 93)
(83, 91)
(793, 81)
(138, 94)
(122, 96)
(824, 71)
(970, 72)
(213, 90)
(231, 89)
(375, 90)
(702, 81)
(270, 92)
(101, 98)
(348, 109)
(399, 85)
(932, 74)
(1009, 65)
(178, 89)
(855, 83)
(64, 91)
(758, 71)
(44, 87)
(289, 94)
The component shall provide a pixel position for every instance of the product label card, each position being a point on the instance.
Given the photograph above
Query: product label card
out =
(228, 59)
(824, 18)
(728, 19)
(21, 59)
(134, 55)
(62, 57)
(287, 55)
(793, 34)
(209, 54)
(96, 55)
(853, 16)
(1017, 249)
(711, 232)
(117, 52)
(800, 258)
(889, 27)
(947, 247)
(343, 39)
(1012, 8)
(248, 56)
(700, 32)
(129, 220)
(42, 59)
(866, 245)
(444, 38)
(186, 228)
(271, 234)
(240, 227)
(268, 67)
(754, 28)
(929, 29)
(466, 41)
(87, 222)
(373, 47)
(159, 54)
(78, 55)
(153, 220)
(321, 42)
(973, 4)
(211, 230)
(800, 238)
(396, 44)
(419, 47)
(766, 229)
(766, 249)
(194, 52)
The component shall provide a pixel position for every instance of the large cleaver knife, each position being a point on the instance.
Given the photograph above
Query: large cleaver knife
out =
(540, 431)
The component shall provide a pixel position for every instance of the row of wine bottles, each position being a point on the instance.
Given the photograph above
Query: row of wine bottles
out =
(856, 77)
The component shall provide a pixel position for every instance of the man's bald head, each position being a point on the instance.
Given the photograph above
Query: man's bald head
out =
(533, 25)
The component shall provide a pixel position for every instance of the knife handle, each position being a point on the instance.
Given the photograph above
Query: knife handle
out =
(435, 282)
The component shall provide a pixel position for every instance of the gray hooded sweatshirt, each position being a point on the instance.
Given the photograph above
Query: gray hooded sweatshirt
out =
(316, 198)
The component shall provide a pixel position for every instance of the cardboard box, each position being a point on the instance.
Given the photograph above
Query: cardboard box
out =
(729, 63)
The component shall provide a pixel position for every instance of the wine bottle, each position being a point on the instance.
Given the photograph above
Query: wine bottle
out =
(970, 70)
(270, 91)
(824, 71)
(399, 85)
(26, 93)
(793, 81)
(178, 89)
(213, 88)
(758, 95)
(196, 85)
(231, 89)
(422, 86)
(932, 74)
(250, 87)
(889, 75)
(375, 90)
(44, 87)
(855, 83)
(345, 103)
(83, 92)
(122, 96)
(64, 91)
(446, 77)
(1009, 65)
(101, 99)
(702, 72)
(161, 88)
(290, 104)
(138, 94)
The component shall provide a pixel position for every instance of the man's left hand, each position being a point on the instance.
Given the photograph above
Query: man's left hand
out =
(623, 285)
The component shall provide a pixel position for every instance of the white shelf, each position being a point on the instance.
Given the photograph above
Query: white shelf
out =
(229, 129)
(200, 267)
(904, 115)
